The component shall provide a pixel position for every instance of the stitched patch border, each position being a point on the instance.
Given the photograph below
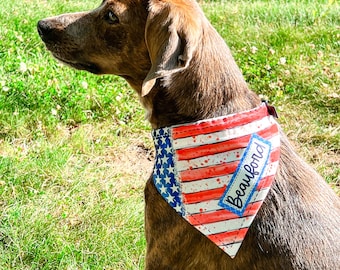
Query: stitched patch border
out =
(247, 175)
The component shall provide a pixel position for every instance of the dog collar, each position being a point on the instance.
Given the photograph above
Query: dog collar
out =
(217, 172)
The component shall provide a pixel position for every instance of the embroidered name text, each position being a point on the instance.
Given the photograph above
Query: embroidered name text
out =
(247, 175)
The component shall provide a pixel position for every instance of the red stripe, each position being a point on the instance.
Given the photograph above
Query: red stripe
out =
(215, 125)
(208, 172)
(221, 215)
(228, 237)
(211, 149)
(214, 194)
(218, 170)
(265, 182)
(205, 150)
(203, 195)
(274, 154)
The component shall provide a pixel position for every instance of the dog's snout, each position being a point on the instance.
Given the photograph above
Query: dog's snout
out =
(45, 30)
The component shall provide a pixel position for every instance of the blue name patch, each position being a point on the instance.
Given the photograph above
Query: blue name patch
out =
(247, 176)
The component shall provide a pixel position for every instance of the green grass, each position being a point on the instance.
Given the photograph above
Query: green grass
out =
(73, 145)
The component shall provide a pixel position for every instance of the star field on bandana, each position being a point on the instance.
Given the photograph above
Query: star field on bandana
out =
(164, 171)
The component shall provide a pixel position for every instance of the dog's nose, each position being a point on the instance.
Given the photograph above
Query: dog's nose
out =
(44, 29)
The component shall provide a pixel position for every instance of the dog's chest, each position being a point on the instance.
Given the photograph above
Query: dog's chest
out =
(216, 173)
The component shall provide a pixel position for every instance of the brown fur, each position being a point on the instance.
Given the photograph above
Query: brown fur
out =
(183, 71)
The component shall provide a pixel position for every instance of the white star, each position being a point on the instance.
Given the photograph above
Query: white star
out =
(158, 180)
(162, 189)
(178, 208)
(155, 170)
(167, 179)
(161, 170)
(168, 149)
(174, 188)
(163, 139)
(165, 159)
(157, 132)
(171, 169)
(170, 199)
(159, 151)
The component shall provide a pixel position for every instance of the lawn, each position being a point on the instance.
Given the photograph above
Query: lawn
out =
(75, 150)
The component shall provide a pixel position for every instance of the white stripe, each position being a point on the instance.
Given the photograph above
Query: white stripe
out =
(210, 160)
(212, 205)
(231, 249)
(275, 141)
(271, 169)
(220, 158)
(218, 182)
(225, 226)
(205, 184)
(224, 135)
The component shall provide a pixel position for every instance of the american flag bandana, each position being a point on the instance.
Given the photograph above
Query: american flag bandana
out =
(216, 173)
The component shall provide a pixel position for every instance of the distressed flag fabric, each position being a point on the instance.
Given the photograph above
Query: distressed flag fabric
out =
(216, 173)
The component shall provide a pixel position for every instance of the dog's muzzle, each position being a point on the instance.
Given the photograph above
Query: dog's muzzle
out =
(45, 31)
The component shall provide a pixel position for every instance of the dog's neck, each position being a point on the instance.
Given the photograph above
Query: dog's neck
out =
(211, 86)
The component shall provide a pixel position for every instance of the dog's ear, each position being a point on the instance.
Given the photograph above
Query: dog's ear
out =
(171, 35)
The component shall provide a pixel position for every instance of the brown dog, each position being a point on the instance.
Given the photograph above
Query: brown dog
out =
(183, 72)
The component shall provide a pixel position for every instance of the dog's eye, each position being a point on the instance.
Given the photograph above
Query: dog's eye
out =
(111, 18)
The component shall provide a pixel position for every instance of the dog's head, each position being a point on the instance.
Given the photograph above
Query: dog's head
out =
(140, 40)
